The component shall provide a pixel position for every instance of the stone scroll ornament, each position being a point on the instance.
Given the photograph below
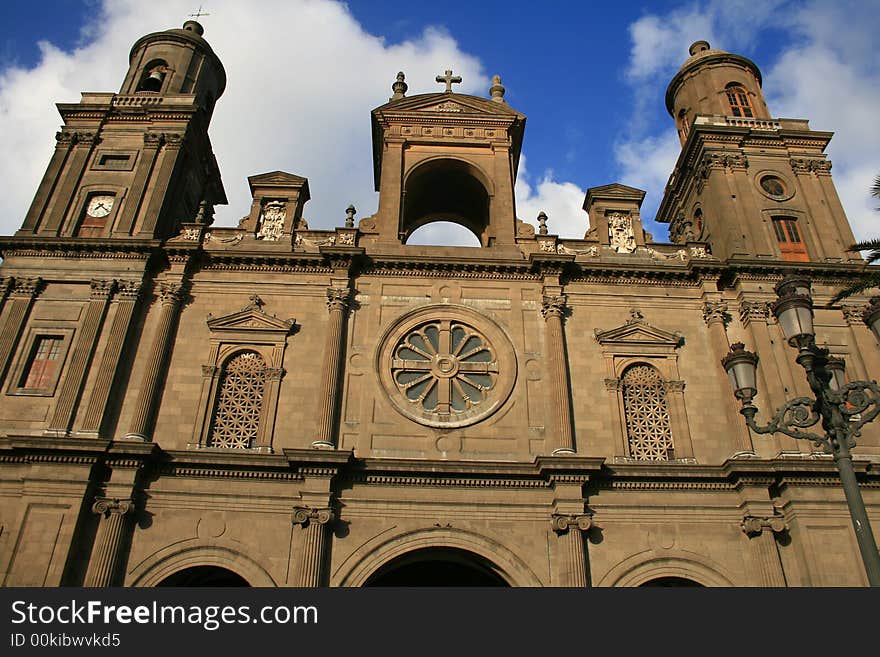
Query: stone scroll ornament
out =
(620, 233)
(272, 221)
(561, 523)
(303, 515)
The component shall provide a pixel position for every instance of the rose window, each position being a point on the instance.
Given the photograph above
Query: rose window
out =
(445, 367)
(445, 372)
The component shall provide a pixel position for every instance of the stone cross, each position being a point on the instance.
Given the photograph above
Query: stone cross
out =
(449, 79)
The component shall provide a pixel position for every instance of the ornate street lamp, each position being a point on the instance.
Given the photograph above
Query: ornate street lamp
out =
(843, 408)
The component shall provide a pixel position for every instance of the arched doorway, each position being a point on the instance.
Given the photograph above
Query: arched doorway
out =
(437, 567)
(671, 581)
(204, 576)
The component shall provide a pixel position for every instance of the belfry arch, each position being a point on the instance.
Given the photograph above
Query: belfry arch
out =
(446, 189)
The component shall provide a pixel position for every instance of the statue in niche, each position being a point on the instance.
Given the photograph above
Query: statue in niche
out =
(271, 221)
(620, 232)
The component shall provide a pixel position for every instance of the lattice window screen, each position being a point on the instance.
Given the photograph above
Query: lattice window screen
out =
(239, 402)
(647, 414)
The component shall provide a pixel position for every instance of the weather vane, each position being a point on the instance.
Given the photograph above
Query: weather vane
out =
(199, 13)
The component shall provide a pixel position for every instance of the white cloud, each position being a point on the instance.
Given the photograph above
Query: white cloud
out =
(561, 201)
(302, 77)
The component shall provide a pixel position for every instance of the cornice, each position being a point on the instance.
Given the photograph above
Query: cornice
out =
(63, 247)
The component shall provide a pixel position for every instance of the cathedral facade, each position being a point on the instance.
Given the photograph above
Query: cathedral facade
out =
(274, 405)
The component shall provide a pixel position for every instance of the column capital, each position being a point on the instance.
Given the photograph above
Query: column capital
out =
(306, 515)
(102, 289)
(170, 294)
(754, 311)
(107, 506)
(715, 311)
(554, 305)
(26, 287)
(755, 525)
(338, 298)
(562, 522)
(854, 315)
(128, 290)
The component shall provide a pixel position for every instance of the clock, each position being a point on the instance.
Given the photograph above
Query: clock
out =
(100, 206)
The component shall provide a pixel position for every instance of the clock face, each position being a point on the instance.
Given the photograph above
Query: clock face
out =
(100, 206)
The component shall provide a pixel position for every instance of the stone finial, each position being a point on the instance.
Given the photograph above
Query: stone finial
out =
(497, 89)
(542, 223)
(350, 211)
(399, 87)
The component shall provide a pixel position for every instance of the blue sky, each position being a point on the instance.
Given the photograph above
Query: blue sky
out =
(590, 77)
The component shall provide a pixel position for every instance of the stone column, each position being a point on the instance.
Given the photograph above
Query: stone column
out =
(312, 556)
(773, 377)
(77, 368)
(338, 299)
(170, 297)
(716, 318)
(553, 310)
(762, 533)
(68, 182)
(157, 189)
(570, 528)
(16, 310)
(127, 293)
(860, 340)
(104, 564)
(64, 143)
(128, 216)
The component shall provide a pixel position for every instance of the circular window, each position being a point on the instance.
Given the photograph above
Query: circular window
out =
(446, 366)
(774, 187)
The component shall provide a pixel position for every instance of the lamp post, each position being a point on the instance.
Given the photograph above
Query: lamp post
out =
(842, 408)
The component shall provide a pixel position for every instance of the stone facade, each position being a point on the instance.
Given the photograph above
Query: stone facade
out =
(185, 403)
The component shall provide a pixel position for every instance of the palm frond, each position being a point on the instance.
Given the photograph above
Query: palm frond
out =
(866, 282)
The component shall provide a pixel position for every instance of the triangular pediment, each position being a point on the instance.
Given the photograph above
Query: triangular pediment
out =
(637, 332)
(276, 178)
(250, 319)
(614, 192)
(450, 103)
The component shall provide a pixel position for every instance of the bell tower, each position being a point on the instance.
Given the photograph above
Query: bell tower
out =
(138, 163)
(445, 157)
(750, 185)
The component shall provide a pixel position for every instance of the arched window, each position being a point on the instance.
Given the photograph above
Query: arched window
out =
(740, 103)
(239, 405)
(648, 428)
(683, 127)
(791, 245)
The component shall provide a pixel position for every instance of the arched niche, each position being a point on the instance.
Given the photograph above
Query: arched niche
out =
(446, 189)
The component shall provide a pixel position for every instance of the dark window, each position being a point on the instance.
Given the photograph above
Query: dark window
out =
(740, 103)
(43, 363)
